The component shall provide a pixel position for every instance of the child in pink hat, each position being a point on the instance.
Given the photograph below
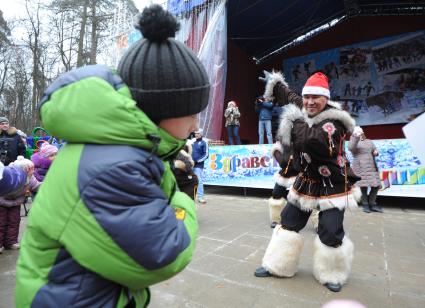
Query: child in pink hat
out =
(43, 159)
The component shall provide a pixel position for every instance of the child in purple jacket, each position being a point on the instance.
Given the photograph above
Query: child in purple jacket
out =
(10, 206)
(43, 159)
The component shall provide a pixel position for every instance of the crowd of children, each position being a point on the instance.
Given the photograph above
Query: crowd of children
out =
(10, 205)
(19, 179)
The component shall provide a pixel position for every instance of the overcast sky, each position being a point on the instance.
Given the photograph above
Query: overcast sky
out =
(16, 8)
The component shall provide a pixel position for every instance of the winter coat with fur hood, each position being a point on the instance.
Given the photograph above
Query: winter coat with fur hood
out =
(277, 89)
(315, 146)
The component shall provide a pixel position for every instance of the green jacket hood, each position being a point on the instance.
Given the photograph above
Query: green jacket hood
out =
(92, 105)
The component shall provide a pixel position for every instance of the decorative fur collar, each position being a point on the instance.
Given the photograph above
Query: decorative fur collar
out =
(334, 104)
(332, 112)
(291, 113)
(274, 78)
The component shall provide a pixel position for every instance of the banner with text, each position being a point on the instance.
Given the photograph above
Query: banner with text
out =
(253, 166)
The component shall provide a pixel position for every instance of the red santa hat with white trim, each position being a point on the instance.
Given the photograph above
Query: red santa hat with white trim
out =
(317, 84)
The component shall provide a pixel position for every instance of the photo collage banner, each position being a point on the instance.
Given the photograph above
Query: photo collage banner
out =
(378, 82)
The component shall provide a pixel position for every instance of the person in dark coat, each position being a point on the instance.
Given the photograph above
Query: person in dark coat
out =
(312, 142)
(11, 144)
(200, 153)
(265, 112)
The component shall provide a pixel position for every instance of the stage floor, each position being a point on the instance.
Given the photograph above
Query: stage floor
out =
(416, 191)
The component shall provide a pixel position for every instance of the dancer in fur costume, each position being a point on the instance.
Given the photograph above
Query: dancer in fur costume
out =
(277, 89)
(312, 141)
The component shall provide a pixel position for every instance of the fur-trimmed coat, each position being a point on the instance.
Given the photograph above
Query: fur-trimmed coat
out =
(277, 90)
(315, 146)
(289, 170)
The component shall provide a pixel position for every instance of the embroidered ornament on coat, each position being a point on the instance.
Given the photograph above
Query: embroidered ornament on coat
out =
(325, 173)
(307, 158)
(330, 129)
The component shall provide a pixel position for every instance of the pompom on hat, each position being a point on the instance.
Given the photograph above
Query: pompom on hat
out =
(47, 150)
(22, 162)
(317, 84)
(165, 77)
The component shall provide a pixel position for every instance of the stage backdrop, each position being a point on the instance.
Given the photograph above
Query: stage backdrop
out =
(379, 82)
(253, 166)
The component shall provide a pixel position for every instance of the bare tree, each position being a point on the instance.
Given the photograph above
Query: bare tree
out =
(5, 58)
(34, 32)
(17, 91)
(65, 38)
(80, 54)
(58, 35)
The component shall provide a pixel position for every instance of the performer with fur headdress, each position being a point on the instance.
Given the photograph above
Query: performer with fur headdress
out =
(312, 139)
(277, 89)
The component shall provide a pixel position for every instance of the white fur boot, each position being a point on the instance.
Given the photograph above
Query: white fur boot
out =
(357, 193)
(314, 218)
(332, 265)
(275, 208)
(283, 252)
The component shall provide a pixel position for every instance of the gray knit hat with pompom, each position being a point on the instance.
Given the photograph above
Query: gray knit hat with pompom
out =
(164, 76)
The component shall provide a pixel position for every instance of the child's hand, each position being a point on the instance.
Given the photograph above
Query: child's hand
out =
(29, 170)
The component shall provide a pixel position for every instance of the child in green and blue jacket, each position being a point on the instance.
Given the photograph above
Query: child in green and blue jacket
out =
(109, 221)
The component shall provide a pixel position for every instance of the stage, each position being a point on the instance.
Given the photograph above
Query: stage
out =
(252, 166)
